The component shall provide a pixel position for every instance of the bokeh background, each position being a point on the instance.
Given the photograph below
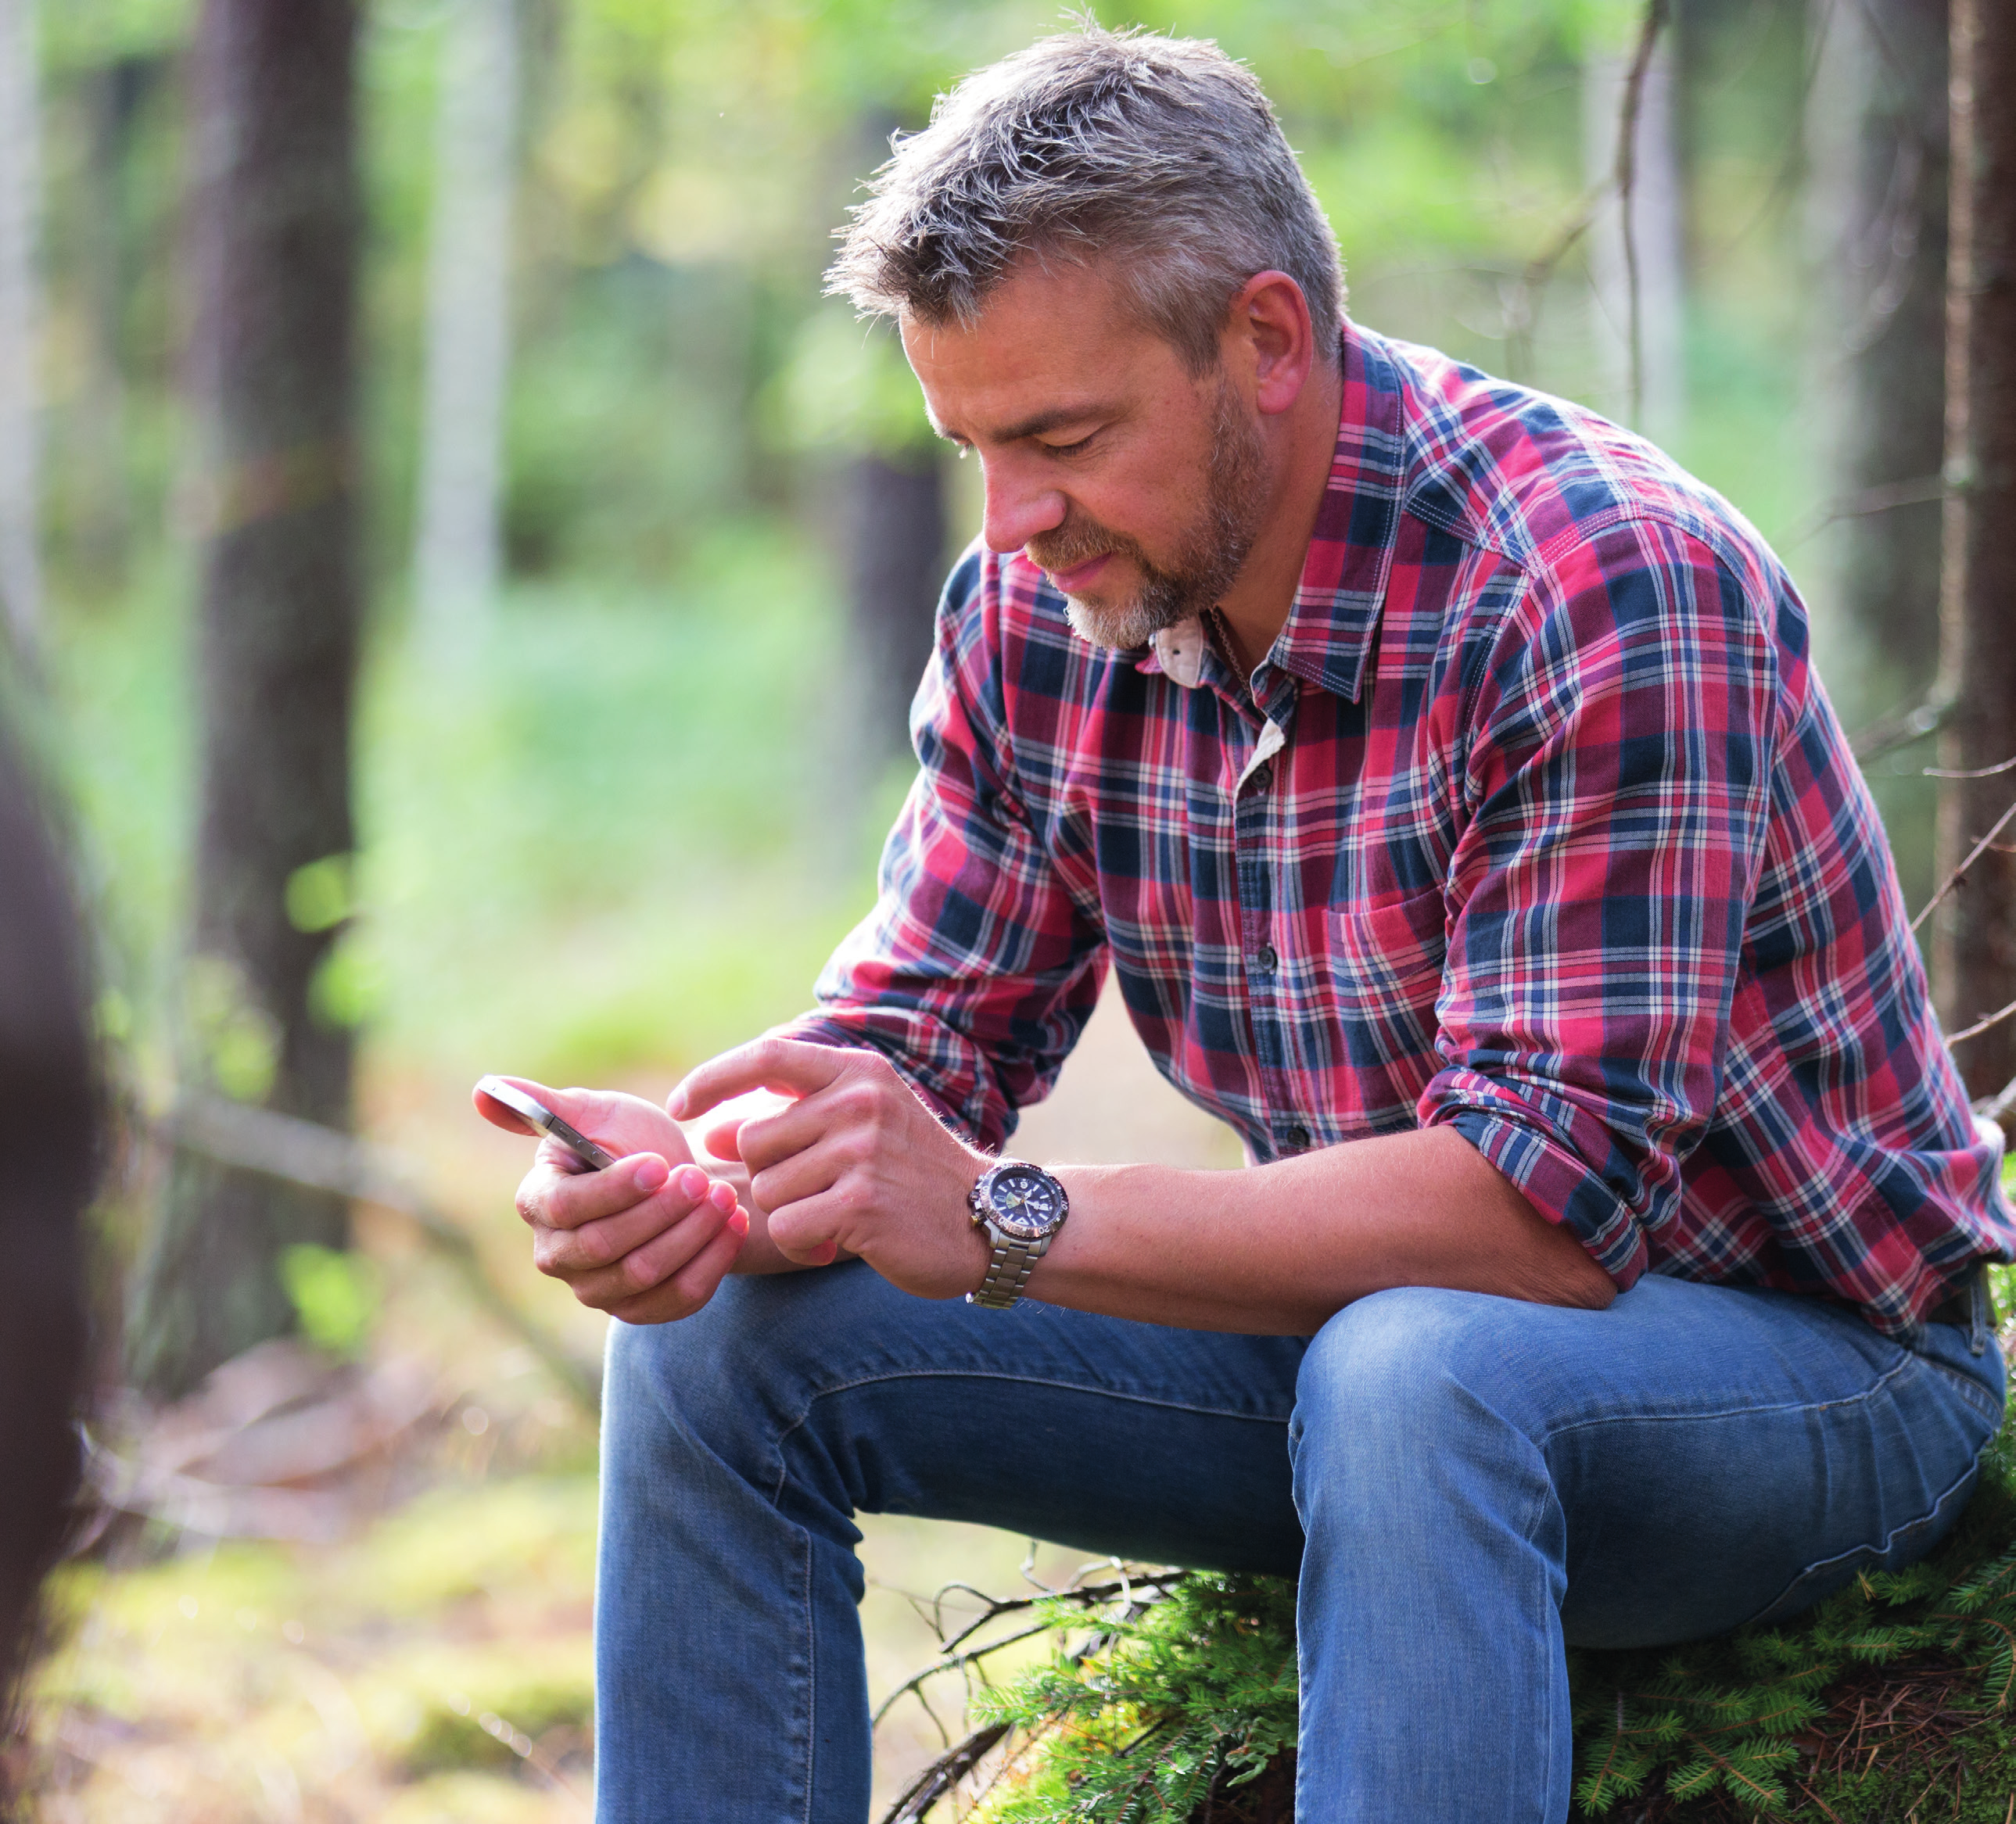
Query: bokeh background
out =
(646, 537)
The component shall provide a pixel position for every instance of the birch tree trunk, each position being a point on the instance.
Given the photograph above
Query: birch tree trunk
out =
(274, 217)
(20, 196)
(458, 539)
(1657, 239)
(1974, 943)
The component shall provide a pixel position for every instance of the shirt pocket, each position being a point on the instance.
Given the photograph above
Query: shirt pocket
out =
(1386, 959)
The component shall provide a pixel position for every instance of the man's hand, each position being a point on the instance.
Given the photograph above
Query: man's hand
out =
(648, 1238)
(856, 1162)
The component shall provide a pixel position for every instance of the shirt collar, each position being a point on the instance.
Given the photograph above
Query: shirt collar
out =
(1336, 608)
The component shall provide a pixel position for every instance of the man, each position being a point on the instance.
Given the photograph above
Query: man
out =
(1442, 773)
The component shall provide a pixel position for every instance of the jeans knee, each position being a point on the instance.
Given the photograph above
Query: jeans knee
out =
(723, 1381)
(1400, 1379)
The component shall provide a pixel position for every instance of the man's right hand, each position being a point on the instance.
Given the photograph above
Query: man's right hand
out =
(646, 1239)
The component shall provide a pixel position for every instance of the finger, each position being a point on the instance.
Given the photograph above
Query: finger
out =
(811, 1229)
(784, 1066)
(553, 1197)
(657, 1261)
(795, 1178)
(722, 1138)
(694, 1284)
(508, 1119)
(797, 1128)
(566, 1253)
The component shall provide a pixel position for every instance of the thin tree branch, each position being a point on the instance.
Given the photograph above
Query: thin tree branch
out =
(943, 1774)
(1998, 1105)
(1981, 1026)
(1885, 497)
(1521, 307)
(1891, 732)
(303, 1152)
(1954, 879)
(1656, 12)
(1982, 772)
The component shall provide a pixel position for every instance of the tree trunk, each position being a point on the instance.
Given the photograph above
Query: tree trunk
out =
(1975, 945)
(20, 199)
(469, 288)
(896, 531)
(1658, 406)
(100, 517)
(275, 226)
(1892, 271)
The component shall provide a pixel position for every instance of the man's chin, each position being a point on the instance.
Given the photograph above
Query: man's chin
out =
(1121, 627)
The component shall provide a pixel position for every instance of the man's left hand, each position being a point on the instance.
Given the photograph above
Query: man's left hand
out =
(856, 1162)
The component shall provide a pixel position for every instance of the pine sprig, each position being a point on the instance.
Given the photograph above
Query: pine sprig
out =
(1183, 1707)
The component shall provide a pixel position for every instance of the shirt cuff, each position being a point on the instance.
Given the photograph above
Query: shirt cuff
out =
(1544, 1166)
(823, 1029)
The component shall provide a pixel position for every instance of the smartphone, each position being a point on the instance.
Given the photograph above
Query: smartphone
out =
(530, 1109)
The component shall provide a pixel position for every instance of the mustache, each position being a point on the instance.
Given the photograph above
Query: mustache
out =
(1075, 542)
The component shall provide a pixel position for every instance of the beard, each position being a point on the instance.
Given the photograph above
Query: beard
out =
(1208, 555)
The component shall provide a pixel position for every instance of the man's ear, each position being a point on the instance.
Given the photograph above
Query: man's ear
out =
(1270, 336)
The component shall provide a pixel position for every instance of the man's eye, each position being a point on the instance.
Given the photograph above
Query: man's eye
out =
(1070, 449)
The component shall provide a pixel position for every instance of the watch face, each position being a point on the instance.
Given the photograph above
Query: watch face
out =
(1025, 1203)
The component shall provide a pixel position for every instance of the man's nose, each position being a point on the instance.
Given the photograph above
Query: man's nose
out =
(1018, 509)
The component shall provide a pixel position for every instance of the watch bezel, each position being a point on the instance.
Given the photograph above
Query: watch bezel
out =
(986, 1211)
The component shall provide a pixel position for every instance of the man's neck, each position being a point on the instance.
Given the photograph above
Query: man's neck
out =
(1257, 607)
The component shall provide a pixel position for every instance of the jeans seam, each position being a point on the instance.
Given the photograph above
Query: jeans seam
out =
(868, 1381)
(1675, 1418)
(1883, 1548)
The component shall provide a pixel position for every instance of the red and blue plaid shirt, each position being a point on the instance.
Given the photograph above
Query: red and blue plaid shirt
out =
(1535, 821)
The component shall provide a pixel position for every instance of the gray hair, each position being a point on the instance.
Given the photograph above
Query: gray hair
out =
(1160, 153)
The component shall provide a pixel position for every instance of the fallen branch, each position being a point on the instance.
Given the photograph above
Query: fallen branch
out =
(304, 1152)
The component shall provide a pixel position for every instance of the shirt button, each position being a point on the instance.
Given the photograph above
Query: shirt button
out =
(1297, 1137)
(1262, 778)
(1266, 959)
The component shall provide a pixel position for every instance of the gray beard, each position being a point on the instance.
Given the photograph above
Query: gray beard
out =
(1210, 557)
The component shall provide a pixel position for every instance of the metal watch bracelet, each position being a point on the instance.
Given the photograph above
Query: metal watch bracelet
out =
(1007, 1272)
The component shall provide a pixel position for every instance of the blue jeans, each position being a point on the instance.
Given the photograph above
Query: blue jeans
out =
(1465, 1483)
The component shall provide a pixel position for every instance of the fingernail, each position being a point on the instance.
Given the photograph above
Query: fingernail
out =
(692, 1182)
(651, 1175)
(721, 1195)
(739, 1222)
(675, 1103)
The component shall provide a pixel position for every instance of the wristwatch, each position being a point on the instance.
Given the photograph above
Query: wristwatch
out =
(1021, 1207)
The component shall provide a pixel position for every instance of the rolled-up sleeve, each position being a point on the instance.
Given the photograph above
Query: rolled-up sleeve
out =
(1618, 788)
(977, 969)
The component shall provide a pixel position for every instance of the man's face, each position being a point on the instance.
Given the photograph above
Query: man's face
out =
(1138, 487)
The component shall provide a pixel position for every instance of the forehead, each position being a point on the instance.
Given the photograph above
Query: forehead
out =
(1047, 341)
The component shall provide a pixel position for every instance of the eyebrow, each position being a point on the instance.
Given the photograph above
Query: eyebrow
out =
(1056, 417)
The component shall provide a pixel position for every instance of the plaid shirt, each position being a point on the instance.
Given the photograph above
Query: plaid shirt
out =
(1535, 821)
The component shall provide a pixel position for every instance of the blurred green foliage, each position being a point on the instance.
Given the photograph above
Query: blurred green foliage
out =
(609, 832)
(336, 1293)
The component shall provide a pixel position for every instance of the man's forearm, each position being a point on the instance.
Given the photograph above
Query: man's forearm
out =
(1279, 1249)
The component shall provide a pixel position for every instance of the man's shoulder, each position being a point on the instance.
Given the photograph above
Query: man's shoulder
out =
(1532, 477)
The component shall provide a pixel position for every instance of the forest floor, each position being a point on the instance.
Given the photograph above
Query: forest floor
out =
(367, 1590)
